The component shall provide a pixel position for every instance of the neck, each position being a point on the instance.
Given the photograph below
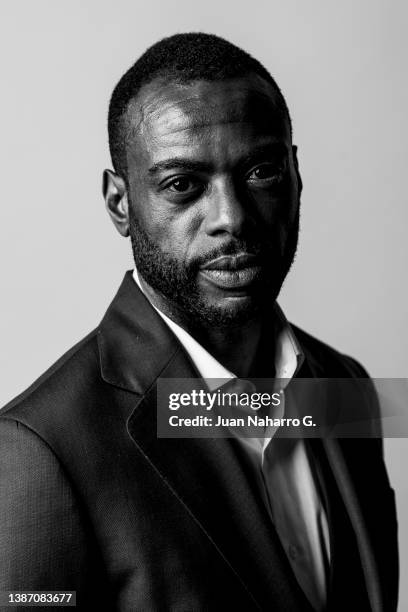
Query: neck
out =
(235, 347)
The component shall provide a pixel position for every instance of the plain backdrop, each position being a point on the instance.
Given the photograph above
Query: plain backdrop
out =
(343, 69)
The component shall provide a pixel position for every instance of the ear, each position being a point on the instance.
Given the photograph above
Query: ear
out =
(116, 200)
(296, 164)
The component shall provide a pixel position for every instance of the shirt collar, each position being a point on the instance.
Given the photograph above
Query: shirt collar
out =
(288, 355)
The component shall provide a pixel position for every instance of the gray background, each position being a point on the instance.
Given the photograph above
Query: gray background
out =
(342, 67)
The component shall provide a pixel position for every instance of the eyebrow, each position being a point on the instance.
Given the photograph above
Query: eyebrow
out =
(277, 148)
(180, 162)
(273, 148)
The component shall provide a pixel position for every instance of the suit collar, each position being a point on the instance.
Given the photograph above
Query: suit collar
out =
(131, 327)
(134, 343)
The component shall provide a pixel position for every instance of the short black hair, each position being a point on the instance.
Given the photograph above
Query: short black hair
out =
(181, 58)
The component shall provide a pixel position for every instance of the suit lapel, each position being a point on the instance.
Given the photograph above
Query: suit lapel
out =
(351, 502)
(334, 455)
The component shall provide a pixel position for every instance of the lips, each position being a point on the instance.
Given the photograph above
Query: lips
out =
(232, 271)
(232, 262)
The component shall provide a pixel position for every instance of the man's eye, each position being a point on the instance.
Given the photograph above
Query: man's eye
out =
(182, 185)
(265, 172)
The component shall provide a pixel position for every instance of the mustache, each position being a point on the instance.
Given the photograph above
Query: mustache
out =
(237, 247)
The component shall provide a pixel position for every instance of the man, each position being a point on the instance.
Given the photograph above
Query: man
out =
(207, 186)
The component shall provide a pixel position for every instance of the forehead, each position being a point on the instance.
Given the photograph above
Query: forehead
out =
(203, 113)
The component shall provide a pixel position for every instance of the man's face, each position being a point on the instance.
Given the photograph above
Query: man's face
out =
(213, 194)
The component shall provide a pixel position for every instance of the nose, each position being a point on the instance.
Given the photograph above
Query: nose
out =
(226, 212)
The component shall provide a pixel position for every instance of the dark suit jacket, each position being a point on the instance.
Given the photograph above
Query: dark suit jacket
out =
(91, 500)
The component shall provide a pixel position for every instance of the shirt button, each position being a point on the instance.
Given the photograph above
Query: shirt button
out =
(293, 552)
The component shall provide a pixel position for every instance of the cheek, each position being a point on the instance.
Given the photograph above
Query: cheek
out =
(275, 214)
(288, 205)
(153, 218)
(172, 231)
(178, 235)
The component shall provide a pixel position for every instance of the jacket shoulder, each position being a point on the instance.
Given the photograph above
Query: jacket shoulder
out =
(326, 360)
(74, 369)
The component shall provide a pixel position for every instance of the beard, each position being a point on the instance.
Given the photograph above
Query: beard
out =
(178, 283)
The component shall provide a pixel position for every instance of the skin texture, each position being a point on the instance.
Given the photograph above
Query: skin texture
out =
(211, 171)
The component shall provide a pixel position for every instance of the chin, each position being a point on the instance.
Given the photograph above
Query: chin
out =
(231, 312)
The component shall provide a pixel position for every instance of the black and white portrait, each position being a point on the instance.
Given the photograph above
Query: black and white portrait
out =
(204, 308)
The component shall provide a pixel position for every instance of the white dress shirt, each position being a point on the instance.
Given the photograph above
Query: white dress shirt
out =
(281, 466)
